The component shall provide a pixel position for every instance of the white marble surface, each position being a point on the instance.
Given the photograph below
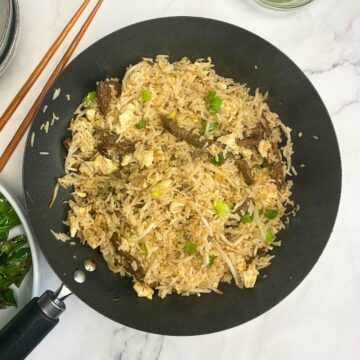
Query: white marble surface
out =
(321, 318)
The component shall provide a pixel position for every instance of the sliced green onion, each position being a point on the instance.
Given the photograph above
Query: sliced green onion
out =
(214, 102)
(212, 126)
(190, 248)
(246, 218)
(146, 95)
(155, 193)
(211, 95)
(89, 98)
(230, 205)
(222, 208)
(211, 260)
(171, 115)
(269, 236)
(271, 214)
(143, 248)
(141, 124)
(218, 159)
(161, 188)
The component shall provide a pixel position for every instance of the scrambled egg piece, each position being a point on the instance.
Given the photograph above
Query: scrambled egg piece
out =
(143, 290)
(264, 147)
(144, 157)
(126, 117)
(249, 276)
(90, 114)
(229, 140)
(104, 165)
(79, 214)
(126, 160)
(101, 165)
(247, 153)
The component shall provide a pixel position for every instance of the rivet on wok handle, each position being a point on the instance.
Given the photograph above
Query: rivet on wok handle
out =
(79, 276)
(89, 265)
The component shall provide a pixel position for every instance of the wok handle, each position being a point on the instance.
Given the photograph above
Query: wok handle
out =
(25, 331)
(30, 325)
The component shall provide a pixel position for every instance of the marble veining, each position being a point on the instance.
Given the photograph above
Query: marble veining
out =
(321, 318)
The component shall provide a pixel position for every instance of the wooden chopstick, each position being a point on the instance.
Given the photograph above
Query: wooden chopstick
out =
(28, 118)
(40, 67)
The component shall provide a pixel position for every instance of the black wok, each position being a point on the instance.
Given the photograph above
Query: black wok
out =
(247, 58)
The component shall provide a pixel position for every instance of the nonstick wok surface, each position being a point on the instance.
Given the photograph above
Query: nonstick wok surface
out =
(247, 58)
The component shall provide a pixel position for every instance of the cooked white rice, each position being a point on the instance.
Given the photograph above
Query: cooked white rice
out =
(160, 198)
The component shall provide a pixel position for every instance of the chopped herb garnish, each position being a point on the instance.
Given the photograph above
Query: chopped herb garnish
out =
(214, 102)
(89, 98)
(246, 218)
(209, 126)
(190, 248)
(141, 124)
(271, 214)
(146, 95)
(171, 115)
(222, 208)
(143, 248)
(269, 236)
(211, 260)
(218, 159)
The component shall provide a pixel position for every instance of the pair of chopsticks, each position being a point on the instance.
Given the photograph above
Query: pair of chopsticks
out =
(36, 73)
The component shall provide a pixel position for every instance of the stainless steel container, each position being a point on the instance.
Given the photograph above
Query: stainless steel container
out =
(9, 31)
(6, 16)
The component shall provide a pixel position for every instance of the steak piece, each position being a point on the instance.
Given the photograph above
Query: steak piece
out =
(244, 168)
(66, 142)
(180, 133)
(276, 167)
(107, 141)
(126, 260)
(105, 91)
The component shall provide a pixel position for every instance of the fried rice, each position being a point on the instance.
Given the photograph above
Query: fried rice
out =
(180, 177)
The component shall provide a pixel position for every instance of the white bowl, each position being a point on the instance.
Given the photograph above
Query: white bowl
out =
(30, 285)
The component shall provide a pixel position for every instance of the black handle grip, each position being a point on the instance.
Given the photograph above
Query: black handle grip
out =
(24, 332)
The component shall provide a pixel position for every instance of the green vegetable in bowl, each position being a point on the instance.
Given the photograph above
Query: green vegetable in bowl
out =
(15, 259)
(8, 218)
(16, 265)
(9, 246)
(7, 298)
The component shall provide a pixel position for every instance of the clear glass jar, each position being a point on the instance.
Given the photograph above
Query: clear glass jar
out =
(283, 4)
